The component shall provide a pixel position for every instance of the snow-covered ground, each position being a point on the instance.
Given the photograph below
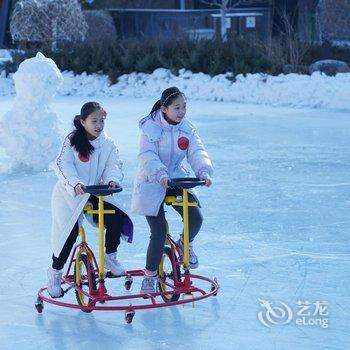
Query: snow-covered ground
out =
(295, 90)
(276, 228)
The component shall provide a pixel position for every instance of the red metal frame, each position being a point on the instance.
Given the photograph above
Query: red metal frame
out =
(151, 298)
(100, 295)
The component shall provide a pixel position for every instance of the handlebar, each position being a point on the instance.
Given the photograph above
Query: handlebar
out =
(185, 182)
(102, 190)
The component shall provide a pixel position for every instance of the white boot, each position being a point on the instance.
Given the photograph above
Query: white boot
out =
(149, 282)
(54, 282)
(192, 254)
(112, 264)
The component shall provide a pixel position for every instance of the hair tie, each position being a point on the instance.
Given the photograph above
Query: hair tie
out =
(76, 122)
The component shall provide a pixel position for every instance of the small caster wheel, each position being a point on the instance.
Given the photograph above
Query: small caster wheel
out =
(128, 282)
(39, 305)
(213, 288)
(215, 285)
(129, 315)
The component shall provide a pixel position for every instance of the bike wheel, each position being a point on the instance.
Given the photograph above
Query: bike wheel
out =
(168, 272)
(84, 278)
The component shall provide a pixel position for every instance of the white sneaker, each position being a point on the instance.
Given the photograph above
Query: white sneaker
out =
(112, 264)
(54, 282)
(193, 257)
(148, 284)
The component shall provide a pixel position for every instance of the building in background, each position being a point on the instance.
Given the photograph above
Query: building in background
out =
(186, 19)
(5, 6)
(314, 20)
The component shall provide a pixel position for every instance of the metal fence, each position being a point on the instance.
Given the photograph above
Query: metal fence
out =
(171, 24)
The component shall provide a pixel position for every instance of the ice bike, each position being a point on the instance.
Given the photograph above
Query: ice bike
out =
(87, 276)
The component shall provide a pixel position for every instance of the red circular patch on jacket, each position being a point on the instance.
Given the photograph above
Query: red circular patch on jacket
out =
(183, 143)
(84, 158)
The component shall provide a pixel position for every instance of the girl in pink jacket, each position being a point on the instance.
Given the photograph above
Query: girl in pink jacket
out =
(167, 139)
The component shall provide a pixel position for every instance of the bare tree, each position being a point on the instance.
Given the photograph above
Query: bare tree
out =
(286, 49)
(48, 21)
(333, 20)
(225, 6)
(295, 49)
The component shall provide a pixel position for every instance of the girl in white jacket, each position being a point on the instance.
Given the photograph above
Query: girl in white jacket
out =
(87, 157)
(167, 138)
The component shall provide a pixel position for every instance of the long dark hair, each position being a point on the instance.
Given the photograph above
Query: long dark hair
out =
(167, 98)
(78, 138)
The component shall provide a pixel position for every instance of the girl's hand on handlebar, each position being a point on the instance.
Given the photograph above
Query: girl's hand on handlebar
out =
(164, 182)
(112, 184)
(206, 177)
(79, 189)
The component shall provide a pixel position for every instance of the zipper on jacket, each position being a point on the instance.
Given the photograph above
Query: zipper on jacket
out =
(172, 147)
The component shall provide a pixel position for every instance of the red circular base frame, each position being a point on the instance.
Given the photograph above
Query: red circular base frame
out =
(150, 301)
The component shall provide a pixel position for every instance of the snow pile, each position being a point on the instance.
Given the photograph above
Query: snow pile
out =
(317, 90)
(85, 85)
(7, 86)
(29, 131)
(5, 56)
(295, 90)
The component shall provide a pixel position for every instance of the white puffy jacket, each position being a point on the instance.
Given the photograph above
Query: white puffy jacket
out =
(103, 165)
(163, 148)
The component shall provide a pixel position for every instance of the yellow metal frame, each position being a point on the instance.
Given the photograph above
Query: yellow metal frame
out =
(162, 286)
(173, 200)
(100, 212)
(78, 265)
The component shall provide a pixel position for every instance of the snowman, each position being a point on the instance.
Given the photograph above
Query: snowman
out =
(29, 131)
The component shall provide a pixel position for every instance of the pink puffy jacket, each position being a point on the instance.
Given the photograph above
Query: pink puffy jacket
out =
(163, 147)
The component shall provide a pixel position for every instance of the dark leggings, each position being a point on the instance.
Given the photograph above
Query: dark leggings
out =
(113, 224)
(158, 226)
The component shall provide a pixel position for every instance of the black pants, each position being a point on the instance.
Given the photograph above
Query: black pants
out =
(158, 226)
(113, 224)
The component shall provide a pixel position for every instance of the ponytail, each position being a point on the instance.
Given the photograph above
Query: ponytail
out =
(156, 106)
(76, 122)
(78, 138)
